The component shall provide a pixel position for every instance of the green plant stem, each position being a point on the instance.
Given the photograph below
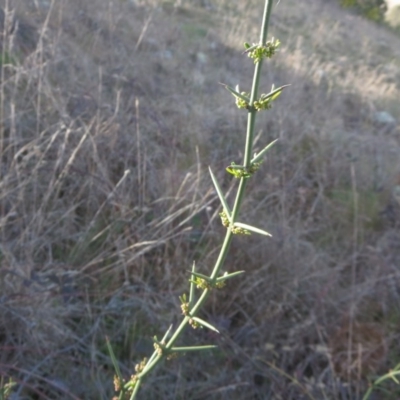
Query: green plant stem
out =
(254, 89)
(136, 389)
(155, 359)
(222, 255)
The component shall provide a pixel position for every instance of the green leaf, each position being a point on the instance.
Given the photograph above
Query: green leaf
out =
(221, 196)
(205, 277)
(164, 339)
(192, 285)
(205, 324)
(274, 93)
(235, 93)
(251, 228)
(193, 348)
(229, 276)
(257, 157)
(114, 360)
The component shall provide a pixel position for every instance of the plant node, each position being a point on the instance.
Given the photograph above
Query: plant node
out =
(202, 283)
(185, 308)
(117, 383)
(239, 171)
(241, 103)
(236, 230)
(140, 366)
(224, 219)
(194, 324)
(159, 348)
(257, 52)
(220, 284)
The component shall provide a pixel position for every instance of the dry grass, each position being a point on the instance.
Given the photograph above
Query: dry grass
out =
(90, 91)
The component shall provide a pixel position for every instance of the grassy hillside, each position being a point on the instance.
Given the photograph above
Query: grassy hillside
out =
(110, 113)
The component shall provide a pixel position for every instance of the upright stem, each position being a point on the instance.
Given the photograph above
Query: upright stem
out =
(254, 89)
(155, 359)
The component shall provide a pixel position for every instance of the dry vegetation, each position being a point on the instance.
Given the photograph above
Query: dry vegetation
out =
(90, 90)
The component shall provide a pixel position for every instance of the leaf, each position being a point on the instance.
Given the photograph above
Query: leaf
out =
(192, 285)
(273, 94)
(229, 276)
(221, 196)
(164, 339)
(235, 93)
(205, 277)
(251, 228)
(193, 348)
(114, 360)
(205, 324)
(257, 157)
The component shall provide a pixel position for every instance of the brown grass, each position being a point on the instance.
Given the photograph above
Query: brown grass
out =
(91, 90)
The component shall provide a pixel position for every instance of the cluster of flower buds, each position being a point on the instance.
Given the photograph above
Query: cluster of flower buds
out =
(264, 102)
(236, 230)
(257, 52)
(202, 283)
(159, 348)
(241, 102)
(194, 324)
(224, 219)
(239, 171)
(140, 366)
(185, 308)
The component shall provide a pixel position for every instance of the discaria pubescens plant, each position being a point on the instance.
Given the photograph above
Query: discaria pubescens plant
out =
(201, 285)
